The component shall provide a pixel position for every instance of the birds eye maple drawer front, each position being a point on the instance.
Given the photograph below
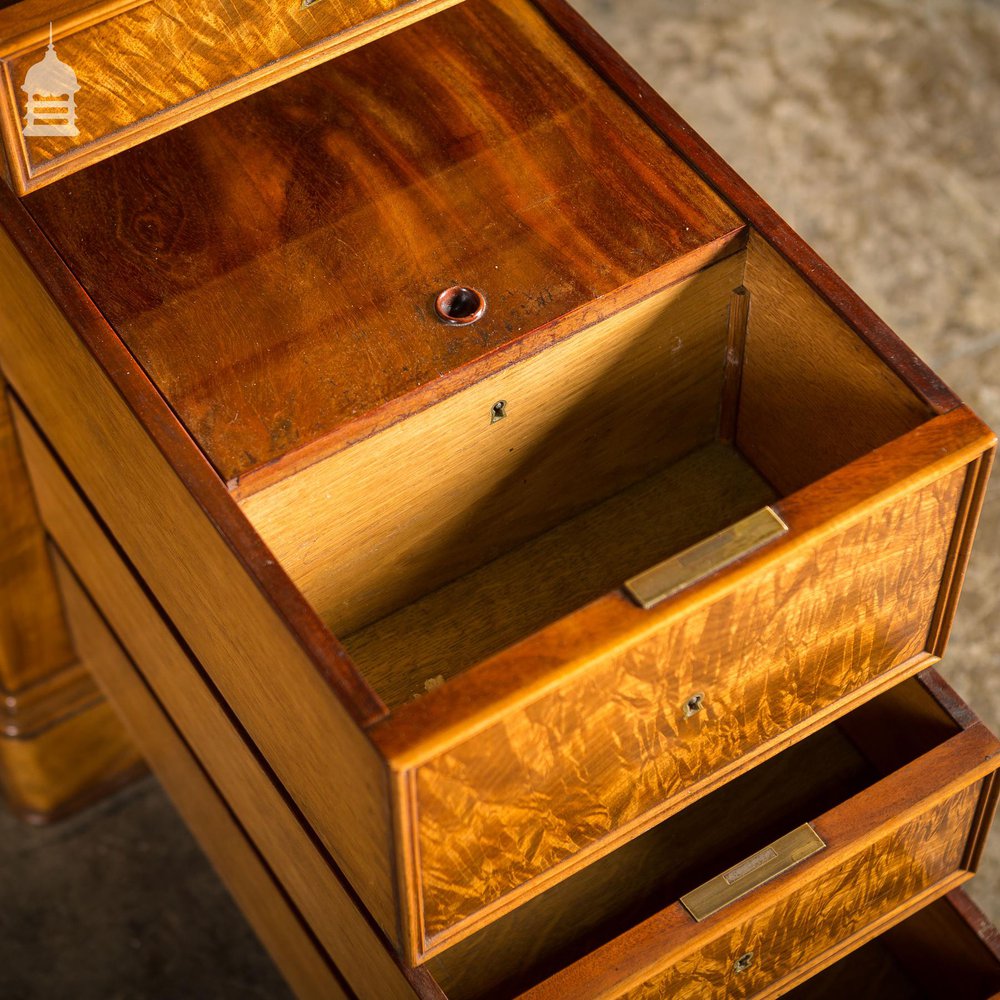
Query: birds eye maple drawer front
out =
(114, 73)
(947, 951)
(668, 505)
(767, 880)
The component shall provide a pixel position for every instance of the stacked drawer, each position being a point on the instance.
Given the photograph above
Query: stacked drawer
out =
(557, 637)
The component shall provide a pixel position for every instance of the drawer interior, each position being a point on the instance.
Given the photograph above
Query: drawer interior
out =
(453, 535)
(946, 951)
(606, 899)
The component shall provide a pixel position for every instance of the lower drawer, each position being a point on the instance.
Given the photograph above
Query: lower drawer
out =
(948, 951)
(756, 887)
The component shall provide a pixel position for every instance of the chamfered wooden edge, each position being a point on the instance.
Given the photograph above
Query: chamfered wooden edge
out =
(749, 205)
(971, 755)
(26, 179)
(189, 463)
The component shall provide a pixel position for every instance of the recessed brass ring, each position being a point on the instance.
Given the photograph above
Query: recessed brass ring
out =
(460, 305)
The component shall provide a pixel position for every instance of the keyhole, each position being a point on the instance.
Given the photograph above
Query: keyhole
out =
(693, 705)
(743, 962)
(498, 411)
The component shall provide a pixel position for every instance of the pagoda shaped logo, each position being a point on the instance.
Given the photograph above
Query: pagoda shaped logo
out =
(51, 87)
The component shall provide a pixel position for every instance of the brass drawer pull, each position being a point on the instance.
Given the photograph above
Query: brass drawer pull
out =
(705, 557)
(774, 860)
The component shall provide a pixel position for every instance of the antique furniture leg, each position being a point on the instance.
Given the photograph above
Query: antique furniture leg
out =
(61, 746)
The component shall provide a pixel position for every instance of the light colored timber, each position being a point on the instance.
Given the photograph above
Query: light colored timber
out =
(378, 525)
(60, 746)
(245, 786)
(33, 638)
(425, 643)
(232, 628)
(813, 396)
(191, 57)
(260, 898)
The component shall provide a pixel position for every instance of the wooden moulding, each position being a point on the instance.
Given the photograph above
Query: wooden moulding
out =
(859, 593)
(890, 849)
(222, 747)
(61, 748)
(262, 900)
(147, 66)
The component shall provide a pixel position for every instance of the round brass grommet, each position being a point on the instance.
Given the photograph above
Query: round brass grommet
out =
(460, 306)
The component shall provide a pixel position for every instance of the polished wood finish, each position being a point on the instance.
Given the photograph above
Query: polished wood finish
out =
(261, 899)
(34, 641)
(189, 560)
(892, 847)
(77, 760)
(825, 282)
(60, 746)
(222, 747)
(317, 221)
(146, 67)
(550, 747)
(526, 763)
(434, 639)
(635, 393)
(947, 951)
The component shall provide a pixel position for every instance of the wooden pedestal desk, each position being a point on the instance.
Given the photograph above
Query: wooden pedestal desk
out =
(521, 559)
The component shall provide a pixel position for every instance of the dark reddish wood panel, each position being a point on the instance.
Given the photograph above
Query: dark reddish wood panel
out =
(273, 265)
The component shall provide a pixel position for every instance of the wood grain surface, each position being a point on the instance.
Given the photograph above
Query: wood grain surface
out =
(526, 589)
(583, 764)
(813, 395)
(201, 560)
(891, 848)
(261, 899)
(222, 746)
(886, 874)
(314, 222)
(381, 524)
(146, 66)
(61, 747)
(34, 641)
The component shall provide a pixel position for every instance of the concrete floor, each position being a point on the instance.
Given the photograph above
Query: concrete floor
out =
(874, 127)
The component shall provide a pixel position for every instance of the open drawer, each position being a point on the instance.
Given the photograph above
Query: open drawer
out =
(767, 880)
(491, 599)
(947, 951)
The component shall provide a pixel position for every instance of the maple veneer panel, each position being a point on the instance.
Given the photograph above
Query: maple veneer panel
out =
(146, 66)
(593, 760)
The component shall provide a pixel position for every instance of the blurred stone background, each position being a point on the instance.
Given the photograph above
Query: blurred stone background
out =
(873, 126)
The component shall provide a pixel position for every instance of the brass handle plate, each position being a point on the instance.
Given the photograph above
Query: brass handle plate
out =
(776, 859)
(705, 557)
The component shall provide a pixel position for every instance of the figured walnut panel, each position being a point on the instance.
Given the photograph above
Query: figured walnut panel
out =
(582, 764)
(146, 67)
(273, 267)
(795, 932)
